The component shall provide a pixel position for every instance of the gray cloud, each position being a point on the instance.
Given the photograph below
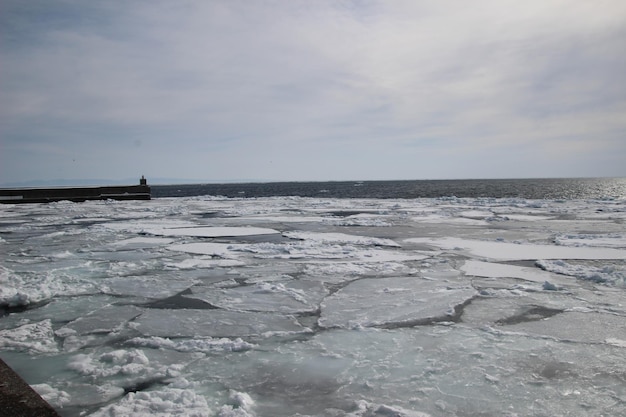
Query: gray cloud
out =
(312, 90)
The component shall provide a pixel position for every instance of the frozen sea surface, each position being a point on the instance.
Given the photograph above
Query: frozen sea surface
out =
(292, 306)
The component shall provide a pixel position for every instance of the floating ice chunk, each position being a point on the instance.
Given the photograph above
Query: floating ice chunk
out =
(33, 337)
(124, 362)
(299, 250)
(476, 214)
(192, 345)
(185, 228)
(141, 242)
(145, 226)
(362, 220)
(616, 342)
(337, 272)
(78, 395)
(282, 380)
(224, 250)
(367, 409)
(165, 402)
(340, 238)
(213, 323)
(148, 287)
(128, 369)
(496, 270)
(513, 251)
(379, 255)
(284, 297)
(610, 240)
(63, 310)
(284, 219)
(527, 217)
(613, 274)
(590, 327)
(548, 286)
(31, 288)
(433, 218)
(203, 231)
(55, 397)
(105, 320)
(196, 263)
(392, 302)
(512, 305)
(12, 296)
(241, 405)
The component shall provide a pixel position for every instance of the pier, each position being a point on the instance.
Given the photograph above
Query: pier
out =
(76, 194)
(18, 399)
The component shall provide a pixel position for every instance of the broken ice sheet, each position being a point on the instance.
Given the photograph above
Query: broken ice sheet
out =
(60, 310)
(436, 370)
(32, 337)
(109, 319)
(498, 270)
(507, 251)
(19, 289)
(607, 240)
(123, 370)
(393, 302)
(340, 238)
(600, 272)
(283, 297)
(162, 402)
(590, 327)
(200, 263)
(82, 395)
(214, 323)
(143, 242)
(225, 250)
(146, 287)
(518, 347)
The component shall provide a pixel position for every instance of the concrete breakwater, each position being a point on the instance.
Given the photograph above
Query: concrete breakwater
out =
(18, 399)
(76, 194)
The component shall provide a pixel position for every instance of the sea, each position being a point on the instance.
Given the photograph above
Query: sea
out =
(547, 188)
(451, 298)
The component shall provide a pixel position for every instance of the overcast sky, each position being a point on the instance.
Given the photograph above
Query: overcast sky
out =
(312, 90)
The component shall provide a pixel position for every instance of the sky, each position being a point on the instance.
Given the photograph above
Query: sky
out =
(294, 90)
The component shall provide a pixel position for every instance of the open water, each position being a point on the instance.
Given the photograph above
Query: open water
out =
(552, 188)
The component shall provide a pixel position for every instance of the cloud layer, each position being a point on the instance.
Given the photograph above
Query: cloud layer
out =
(300, 90)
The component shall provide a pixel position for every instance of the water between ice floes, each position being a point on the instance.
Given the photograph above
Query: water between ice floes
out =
(204, 306)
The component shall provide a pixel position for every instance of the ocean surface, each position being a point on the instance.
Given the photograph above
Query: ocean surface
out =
(552, 188)
(468, 298)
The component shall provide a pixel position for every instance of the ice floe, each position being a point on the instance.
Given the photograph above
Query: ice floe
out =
(284, 297)
(393, 302)
(610, 240)
(210, 306)
(214, 323)
(497, 270)
(611, 273)
(208, 344)
(33, 337)
(508, 251)
(340, 238)
(164, 402)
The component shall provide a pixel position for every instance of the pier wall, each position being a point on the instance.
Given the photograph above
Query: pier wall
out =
(77, 194)
(18, 399)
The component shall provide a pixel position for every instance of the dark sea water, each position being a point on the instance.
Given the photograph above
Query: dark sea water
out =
(553, 188)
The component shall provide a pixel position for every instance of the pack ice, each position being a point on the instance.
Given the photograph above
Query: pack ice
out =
(283, 306)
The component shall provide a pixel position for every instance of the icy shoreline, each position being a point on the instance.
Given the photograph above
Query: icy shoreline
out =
(207, 306)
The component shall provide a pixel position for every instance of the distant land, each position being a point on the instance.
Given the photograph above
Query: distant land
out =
(179, 181)
(127, 181)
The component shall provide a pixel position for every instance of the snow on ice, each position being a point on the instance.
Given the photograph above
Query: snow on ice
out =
(287, 306)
